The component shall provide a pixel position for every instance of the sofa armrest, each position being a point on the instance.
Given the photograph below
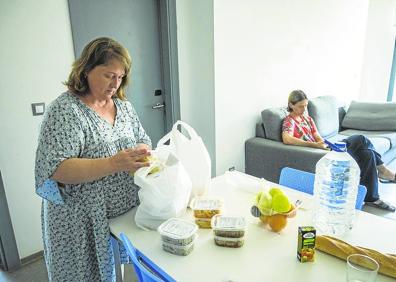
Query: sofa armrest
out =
(266, 158)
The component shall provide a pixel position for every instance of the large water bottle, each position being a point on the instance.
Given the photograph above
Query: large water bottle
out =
(335, 192)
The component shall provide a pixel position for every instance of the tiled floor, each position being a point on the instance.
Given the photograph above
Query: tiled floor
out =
(32, 272)
(387, 193)
(36, 272)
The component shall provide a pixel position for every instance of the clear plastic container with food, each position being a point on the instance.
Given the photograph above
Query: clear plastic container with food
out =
(229, 226)
(178, 231)
(229, 242)
(206, 207)
(203, 222)
(178, 250)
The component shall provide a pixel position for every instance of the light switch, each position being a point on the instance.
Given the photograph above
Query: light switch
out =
(38, 109)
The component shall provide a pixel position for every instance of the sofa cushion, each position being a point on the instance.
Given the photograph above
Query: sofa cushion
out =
(382, 141)
(370, 116)
(324, 111)
(272, 121)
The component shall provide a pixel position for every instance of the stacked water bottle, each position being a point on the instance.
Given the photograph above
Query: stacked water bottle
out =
(335, 191)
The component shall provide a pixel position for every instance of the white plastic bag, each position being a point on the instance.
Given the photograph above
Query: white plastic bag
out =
(193, 155)
(246, 182)
(164, 194)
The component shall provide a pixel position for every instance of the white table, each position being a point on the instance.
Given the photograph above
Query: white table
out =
(265, 256)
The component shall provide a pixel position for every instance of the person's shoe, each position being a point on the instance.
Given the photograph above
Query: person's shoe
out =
(387, 181)
(380, 204)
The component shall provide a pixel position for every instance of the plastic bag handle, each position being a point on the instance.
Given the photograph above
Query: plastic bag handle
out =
(188, 128)
(165, 138)
(169, 135)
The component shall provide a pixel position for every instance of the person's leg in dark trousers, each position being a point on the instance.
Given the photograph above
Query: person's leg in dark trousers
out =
(362, 150)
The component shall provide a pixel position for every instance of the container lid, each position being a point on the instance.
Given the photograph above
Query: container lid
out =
(342, 146)
(177, 228)
(229, 239)
(228, 223)
(206, 203)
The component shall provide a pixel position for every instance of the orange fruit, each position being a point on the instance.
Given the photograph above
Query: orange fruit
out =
(277, 222)
(264, 219)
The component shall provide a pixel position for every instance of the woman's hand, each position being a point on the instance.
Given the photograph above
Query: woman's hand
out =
(142, 146)
(131, 159)
(320, 145)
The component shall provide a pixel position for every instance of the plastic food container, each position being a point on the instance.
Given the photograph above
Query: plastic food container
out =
(178, 232)
(205, 207)
(203, 222)
(229, 242)
(229, 226)
(178, 250)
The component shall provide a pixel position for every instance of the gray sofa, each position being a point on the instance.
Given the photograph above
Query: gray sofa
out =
(266, 155)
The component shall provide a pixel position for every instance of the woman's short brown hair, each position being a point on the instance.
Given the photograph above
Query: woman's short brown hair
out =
(98, 52)
(294, 97)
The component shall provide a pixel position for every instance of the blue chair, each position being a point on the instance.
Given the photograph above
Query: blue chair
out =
(146, 270)
(304, 181)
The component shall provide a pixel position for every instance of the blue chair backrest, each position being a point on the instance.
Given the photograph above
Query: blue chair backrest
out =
(146, 270)
(304, 181)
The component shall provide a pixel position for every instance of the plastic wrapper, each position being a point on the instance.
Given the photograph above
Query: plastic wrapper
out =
(229, 226)
(178, 231)
(178, 250)
(203, 222)
(205, 207)
(229, 242)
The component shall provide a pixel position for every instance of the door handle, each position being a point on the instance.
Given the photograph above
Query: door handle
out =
(158, 106)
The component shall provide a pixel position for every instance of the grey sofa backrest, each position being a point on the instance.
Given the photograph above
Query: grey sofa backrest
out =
(371, 116)
(260, 132)
(272, 121)
(324, 110)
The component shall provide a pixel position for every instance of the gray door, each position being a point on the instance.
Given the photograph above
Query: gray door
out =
(135, 24)
(9, 256)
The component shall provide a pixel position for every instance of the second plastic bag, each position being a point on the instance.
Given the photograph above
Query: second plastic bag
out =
(191, 151)
(163, 194)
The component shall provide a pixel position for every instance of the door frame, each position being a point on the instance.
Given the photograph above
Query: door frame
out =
(169, 57)
(391, 86)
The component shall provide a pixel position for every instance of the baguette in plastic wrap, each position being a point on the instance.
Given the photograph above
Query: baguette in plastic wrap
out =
(342, 250)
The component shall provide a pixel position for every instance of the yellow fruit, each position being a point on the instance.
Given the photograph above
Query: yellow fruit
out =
(277, 222)
(264, 218)
(155, 170)
(146, 159)
(265, 203)
(281, 203)
(257, 198)
(274, 191)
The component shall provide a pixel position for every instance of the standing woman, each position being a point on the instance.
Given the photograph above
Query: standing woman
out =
(90, 140)
(299, 129)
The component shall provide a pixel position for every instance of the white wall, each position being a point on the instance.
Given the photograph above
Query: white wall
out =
(265, 49)
(36, 55)
(196, 68)
(379, 45)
